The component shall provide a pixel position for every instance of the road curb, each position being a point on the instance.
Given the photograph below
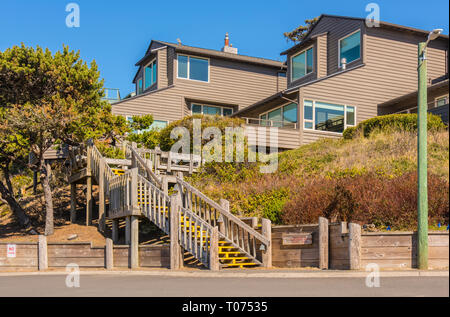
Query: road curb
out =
(206, 274)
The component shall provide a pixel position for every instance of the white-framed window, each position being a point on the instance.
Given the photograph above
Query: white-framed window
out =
(441, 101)
(192, 68)
(150, 74)
(350, 47)
(283, 116)
(197, 108)
(302, 63)
(323, 116)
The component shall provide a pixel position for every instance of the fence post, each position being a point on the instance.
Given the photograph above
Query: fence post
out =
(175, 249)
(214, 250)
(134, 247)
(101, 196)
(73, 202)
(134, 190)
(354, 240)
(42, 253)
(266, 231)
(109, 254)
(323, 243)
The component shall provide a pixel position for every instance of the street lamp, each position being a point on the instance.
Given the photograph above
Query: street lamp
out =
(422, 203)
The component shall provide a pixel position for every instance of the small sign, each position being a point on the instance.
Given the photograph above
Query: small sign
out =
(300, 238)
(11, 251)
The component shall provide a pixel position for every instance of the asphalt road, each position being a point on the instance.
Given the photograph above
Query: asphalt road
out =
(164, 286)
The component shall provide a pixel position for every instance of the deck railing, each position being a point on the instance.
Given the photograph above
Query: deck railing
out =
(270, 123)
(195, 236)
(231, 228)
(154, 203)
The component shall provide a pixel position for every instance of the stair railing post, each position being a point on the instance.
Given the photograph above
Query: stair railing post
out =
(266, 231)
(175, 248)
(214, 250)
(101, 195)
(89, 202)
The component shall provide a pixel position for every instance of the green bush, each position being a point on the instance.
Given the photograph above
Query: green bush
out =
(391, 123)
(349, 133)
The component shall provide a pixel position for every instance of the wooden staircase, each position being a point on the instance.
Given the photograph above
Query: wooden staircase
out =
(205, 229)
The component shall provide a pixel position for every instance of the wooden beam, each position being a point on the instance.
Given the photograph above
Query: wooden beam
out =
(214, 264)
(109, 254)
(175, 248)
(101, 196)
(266, 230)
(42, 253)
(323, 243)
(134, 247)
(89, 201)
(354, 246)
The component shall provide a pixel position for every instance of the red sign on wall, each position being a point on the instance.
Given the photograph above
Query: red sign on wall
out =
(11, 251)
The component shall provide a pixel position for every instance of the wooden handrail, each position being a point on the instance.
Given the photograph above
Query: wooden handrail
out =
(144, 166)
(224, 212)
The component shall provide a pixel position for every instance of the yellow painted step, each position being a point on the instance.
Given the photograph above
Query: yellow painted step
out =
(239, 265)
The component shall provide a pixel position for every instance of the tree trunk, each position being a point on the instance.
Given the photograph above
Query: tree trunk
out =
(46, 172)
(17, 210)
(8, 180)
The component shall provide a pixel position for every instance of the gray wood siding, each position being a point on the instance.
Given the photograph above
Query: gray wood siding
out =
(322, 69)
(287, 138)
(162, 68)
(337, 28)
(232, 83)
(390, 71)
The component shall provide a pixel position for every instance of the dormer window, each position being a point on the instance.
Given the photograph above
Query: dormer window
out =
(302, 64)
(150, 74)
(193, 68)
(350, 47)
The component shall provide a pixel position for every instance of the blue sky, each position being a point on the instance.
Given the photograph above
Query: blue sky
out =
(117, 33)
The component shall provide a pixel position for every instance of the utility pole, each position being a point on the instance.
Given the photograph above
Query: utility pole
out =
(422, 165)
(422, 203)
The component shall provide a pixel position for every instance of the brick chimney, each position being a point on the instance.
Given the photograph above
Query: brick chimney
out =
(228, 48)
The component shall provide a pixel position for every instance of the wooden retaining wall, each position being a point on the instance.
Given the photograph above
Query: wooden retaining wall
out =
(292, 256)
(339, 253)
(26, 256)
(398, 250)
(83, 254)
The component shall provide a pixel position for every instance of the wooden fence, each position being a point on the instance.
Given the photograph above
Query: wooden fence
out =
(84, 254)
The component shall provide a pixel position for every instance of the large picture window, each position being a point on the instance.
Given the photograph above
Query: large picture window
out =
(285, 116)
(327, 116)
(193, 68)
(350, 47)
(211, 110)
(302, 64)
(150, 74)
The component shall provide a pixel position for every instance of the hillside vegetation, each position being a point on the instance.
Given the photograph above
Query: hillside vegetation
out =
(368, 179)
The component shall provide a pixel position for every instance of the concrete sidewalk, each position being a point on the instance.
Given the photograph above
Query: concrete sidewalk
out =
(255, 273)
